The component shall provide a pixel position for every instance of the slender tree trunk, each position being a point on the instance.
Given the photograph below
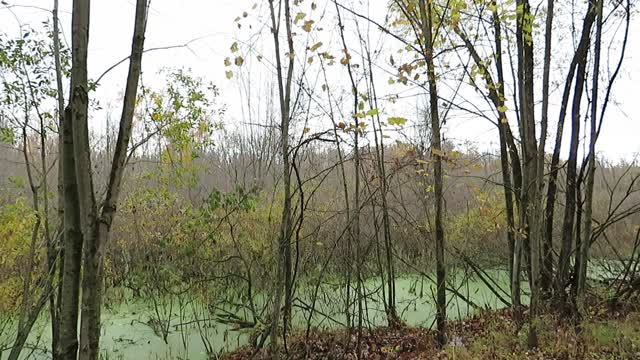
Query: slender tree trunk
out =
(355, 230)
(55, 305)
(283, 278)
(99, 228)
(529, 203)
(60, 105)
(568, 224)
(547, 242)
(75, 116)
(436, 155)
(70, 288)
(84, 202)
(503, 128)
(347, 203)
(580, 52)
(583, 253)
(392, 315)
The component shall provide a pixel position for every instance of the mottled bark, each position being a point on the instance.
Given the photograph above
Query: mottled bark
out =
(70, 288)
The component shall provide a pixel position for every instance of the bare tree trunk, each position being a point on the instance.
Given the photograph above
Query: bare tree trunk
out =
(580, 52)
(345, 189)
(571, 185)
(583, 253)
(70, 288)
(100, 227)
(529, 203)
(355, 229)
(283, 278)
(547, 242)
(392, 315)
(436, 155)
(54, 305)
(503, 128)
(75, 116)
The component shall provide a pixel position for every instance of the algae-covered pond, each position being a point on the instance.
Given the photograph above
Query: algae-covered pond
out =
(131, 329)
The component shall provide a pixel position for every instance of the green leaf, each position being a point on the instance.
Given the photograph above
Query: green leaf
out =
(229, 74)
(7, 136)
(397, 121)
(372, 112)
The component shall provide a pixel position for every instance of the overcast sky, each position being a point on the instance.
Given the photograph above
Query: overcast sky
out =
(211, 22)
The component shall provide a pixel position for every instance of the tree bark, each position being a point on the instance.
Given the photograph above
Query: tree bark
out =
(75, 114)
(436, 155)
(283, 277)
(547, 242)
(571, 183)
(54, 302)
(580, 52)
(529, 203)
(583, 251)
(99, 227)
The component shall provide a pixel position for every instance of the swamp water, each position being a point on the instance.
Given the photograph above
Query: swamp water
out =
(132, 331)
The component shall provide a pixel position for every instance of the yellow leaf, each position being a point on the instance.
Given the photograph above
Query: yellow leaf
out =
(234, 47)
(227, 62)
(437, 152)
(299, 16)
(316, 46)
(229, 74)
(397, 121)
(307, 25)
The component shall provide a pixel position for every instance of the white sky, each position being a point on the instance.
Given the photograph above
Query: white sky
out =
(174, 22)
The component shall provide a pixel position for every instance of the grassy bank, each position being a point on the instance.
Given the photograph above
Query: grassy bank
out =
(607, 333)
